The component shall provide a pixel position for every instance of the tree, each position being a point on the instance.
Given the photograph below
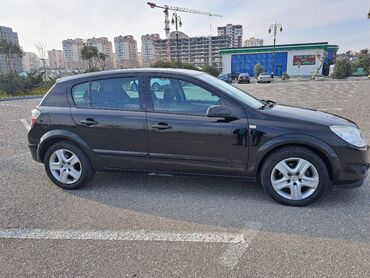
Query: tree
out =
(257, 70)
(90, 53)
(41, 48)
(364, 60)
(342, 69)
(102, 60)
(11, 52)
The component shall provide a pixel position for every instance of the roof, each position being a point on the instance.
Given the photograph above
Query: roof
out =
(133, 71)
(280, 47)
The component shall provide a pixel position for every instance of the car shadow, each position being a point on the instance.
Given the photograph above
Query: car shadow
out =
(229, 203)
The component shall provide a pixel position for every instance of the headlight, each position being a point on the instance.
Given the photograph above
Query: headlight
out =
(350, 134)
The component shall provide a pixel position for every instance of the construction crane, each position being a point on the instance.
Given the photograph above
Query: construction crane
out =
(167, 8)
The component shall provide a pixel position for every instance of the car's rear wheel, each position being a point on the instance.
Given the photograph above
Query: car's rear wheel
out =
(294, 176)
(67, 166)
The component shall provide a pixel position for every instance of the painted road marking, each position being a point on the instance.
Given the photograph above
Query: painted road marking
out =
(238, 243)
(25, 123)
(122, 235)
(10, 105)
(234, 252)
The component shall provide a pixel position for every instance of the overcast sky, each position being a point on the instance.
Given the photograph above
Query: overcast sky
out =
(341, 22)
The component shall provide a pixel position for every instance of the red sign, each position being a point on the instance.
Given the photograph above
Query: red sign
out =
(302, 60)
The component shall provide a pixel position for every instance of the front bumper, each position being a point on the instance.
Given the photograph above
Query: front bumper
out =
(353, 167)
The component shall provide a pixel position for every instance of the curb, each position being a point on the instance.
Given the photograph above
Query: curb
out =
(21, 97)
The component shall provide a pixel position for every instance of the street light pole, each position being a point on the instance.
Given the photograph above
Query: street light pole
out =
(274, 28)
(177, 21)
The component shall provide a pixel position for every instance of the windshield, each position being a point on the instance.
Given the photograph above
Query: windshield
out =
(231, 90)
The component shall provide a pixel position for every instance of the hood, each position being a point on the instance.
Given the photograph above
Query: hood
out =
(308, 115)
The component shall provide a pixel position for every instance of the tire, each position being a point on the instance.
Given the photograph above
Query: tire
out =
(82, 166)
(299, 189)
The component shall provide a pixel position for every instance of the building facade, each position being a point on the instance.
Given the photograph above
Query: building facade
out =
(7, 34)
(104, 46)
(198, 51)
(147, 49)
(252, 41)
(234, 32)
(30, 62)
(126, 51)
(72, 54)
(56, 59)
(301, 59)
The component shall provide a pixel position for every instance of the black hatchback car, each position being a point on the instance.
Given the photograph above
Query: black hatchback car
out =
(192, 124)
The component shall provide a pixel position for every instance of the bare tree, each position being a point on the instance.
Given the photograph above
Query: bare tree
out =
(321, 58)
(41, 48)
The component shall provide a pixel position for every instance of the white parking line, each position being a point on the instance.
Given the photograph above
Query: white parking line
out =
(331, 109)
(234, 252)
(25, 123)
(10, 105)
(122, 235)
(237, 242)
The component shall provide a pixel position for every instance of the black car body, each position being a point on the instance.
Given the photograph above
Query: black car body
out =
(177, 130)
(244, 78)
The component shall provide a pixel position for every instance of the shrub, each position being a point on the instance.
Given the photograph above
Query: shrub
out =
(11, 82)
(173, 64)
(211, 70)
(342, 69)
(257, 70)
(285, 76)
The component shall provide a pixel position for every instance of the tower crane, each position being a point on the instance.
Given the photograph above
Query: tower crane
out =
(167, 8)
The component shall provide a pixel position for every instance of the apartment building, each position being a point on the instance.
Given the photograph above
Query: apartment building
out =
(72, 54)
(234, 32)
(6, 33)
(30, 62)
(104, 46)
(147, 48)
(56, 59)
(252, 41)
(126, 51)
(198, 51)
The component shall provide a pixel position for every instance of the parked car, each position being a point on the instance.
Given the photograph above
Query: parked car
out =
(244, 78)
(264, 77)
(226, 77)
(196, 125)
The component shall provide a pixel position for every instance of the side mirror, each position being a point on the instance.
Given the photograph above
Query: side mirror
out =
(219, 111)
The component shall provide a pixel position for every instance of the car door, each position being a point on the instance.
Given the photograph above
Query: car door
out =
(110, 117)
(181, 136)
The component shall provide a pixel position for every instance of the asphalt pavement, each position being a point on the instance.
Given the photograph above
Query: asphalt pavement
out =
(136, 225)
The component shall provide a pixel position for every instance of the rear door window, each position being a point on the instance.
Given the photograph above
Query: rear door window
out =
(114, 93)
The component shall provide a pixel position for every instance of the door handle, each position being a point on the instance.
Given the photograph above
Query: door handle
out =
(161, 126)
(89, 122)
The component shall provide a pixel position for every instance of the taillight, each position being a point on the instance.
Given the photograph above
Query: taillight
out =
(34, 115)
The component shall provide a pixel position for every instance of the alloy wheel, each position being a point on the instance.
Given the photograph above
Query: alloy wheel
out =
(294, 178)
(65, 166)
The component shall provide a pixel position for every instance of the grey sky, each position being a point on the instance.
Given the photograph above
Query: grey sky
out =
(342, 22)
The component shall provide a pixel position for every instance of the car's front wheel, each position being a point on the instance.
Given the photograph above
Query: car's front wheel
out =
(294, 176)
(67, 166)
